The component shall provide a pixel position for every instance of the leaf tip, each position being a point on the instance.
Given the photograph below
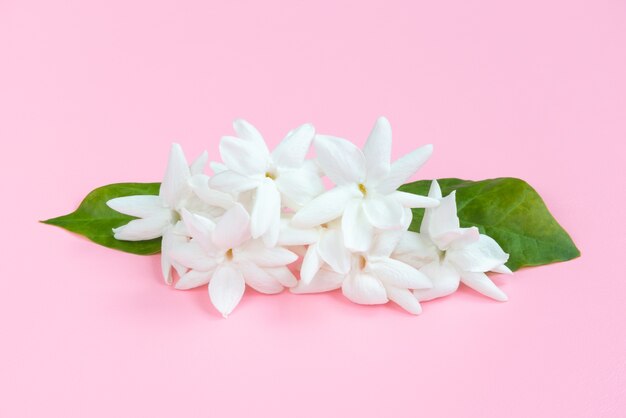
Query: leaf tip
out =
(51, 221)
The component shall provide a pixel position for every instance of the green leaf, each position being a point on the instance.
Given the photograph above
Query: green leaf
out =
(510, 211)
(95, 220)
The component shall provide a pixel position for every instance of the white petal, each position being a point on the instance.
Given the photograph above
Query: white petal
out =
(456, 238)
(405, 298)
(385, 242)
(197, 167)
(242, 157)
(416, 250)
(246, 131)
(403, 168)
(143, 229)
(435, 190)
(383, 212)
(425, 224)
(246, 199)
(296, 236)
(259, 279)
(468, 236)
(292, 151)
(340, 160)
(270, 238)
(141, 206)
(193, 278)
(324, 208)
(481, 256)
(311, 264)
(283, 275)
(196, 205)
(444, 278)
(299, 187)
(333, 251)
(166, 270)
(324, 281)
(180, 270)
(407, 219)
(212, 197)
(199, 183)
(502, 269)
(200, 229)
(192, 255)
(364, 289)
(482, 284)
(377, 151)
(230, 182)
(232, 229)
(175, 185)
(266, 208)
(410, 200)
(217, 167)
(441, 219)
(398, 274)
(226, 289)
(172, 240)
(357, 230)
(259, 254)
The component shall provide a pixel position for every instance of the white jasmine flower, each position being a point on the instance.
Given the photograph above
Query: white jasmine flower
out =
(449, 254)
(366, 195)
(276, 179)
(183, 186)
(224, 255)
(374, 277)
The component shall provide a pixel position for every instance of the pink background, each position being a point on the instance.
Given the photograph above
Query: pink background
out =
(93, 93)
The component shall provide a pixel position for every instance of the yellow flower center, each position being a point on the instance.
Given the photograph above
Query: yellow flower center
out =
(363, 189)
(362, 262)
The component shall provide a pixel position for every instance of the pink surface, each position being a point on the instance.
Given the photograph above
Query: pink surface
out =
(94, 92)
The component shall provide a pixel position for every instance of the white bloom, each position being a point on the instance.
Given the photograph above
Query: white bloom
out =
(366, 195)
(277, 179)
(449, 254)
(182, 187)
(224, 255)
(374, 277)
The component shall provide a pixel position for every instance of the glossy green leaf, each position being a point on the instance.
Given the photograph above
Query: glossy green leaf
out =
(95, 220)
(510, 211)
